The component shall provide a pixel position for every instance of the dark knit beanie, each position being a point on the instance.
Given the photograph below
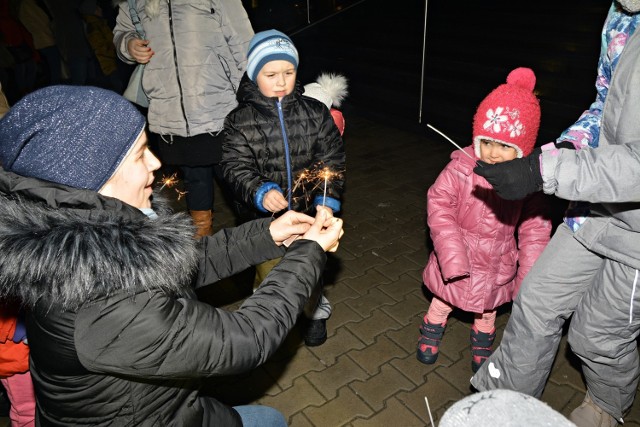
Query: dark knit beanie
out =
(71, 135)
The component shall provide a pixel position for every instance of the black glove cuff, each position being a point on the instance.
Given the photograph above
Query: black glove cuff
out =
(534, 165)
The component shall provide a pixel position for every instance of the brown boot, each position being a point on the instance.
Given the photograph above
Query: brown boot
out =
(203, 220)
(588, 414)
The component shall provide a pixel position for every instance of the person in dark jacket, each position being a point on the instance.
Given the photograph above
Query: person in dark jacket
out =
(106, 272)
(280, 145)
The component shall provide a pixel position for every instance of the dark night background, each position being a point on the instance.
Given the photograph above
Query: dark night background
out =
(470, 49)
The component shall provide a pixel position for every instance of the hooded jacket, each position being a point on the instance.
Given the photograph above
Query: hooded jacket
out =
(607, 177)
(200, 51)
(477, 263)
(117, 335)
(269, 143)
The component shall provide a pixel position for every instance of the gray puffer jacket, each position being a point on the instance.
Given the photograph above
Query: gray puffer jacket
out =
(200, 49)
(607, 176)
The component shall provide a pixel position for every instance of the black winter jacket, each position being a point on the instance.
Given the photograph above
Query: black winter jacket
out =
(270, 143)
(117, 336)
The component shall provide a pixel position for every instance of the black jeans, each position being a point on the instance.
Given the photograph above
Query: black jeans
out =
(198, 183)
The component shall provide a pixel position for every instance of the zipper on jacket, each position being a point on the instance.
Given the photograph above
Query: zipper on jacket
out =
(175, 63)
(287, 155)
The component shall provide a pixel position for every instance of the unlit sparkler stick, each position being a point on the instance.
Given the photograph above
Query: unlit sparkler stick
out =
(450, 140)
(429, 411)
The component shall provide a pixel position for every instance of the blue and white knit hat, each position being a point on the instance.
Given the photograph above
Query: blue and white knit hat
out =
(266, 46)
(71, 135)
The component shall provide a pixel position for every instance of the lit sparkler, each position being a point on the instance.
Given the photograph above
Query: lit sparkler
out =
(317, 177)
(169, 181)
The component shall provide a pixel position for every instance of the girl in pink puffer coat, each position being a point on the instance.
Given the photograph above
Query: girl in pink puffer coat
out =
(478, 262)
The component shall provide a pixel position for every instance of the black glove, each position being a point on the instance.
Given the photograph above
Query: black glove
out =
(515, 179)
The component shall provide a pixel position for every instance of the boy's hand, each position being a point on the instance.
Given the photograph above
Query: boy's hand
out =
(326, 230)
(140, 50)
(515, 179)
(274, 201)
(289, 226)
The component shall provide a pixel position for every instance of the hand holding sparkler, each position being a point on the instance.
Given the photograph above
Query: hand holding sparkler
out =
(326, 230)
(290, 226)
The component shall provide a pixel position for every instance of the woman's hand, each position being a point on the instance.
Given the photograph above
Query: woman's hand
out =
(326, 230)
(290, 226)
(274, 201)
(140, 50)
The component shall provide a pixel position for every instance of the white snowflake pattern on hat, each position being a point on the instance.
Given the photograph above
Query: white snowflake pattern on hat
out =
(509, 121)
(516, 129)
(495, 119)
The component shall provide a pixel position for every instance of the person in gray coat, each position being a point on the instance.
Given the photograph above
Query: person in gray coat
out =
(107, 272)
(195, 55)
(589, 271)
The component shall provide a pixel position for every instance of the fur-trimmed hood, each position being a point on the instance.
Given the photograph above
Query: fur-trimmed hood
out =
(68, 246)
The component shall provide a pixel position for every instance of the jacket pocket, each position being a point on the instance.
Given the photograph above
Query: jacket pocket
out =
(507, 269)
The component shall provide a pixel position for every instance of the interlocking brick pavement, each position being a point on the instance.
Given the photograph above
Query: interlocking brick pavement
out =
(366, 374)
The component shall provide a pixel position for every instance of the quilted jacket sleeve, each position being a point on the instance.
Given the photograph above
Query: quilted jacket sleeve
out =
(160, 336)
(442, 218)
(237, 32)
(233, 250)
(239, 164)
(123, 32)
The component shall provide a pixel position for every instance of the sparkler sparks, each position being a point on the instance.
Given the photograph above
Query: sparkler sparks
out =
(316, 178)
(168, 181)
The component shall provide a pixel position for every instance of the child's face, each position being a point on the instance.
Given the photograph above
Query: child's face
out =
(277, 78)
(496, 152)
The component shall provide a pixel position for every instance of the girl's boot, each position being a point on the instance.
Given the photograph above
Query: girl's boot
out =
(429, 342)
(481, 346)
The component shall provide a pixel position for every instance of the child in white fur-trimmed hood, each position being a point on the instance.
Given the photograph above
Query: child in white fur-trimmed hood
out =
(330, 89)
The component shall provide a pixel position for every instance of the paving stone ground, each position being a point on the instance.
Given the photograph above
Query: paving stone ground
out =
(366, 374)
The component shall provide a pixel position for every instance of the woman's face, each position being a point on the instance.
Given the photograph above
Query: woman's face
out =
(132, 181)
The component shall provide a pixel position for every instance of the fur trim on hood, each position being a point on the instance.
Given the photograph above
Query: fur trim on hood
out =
(69, 246)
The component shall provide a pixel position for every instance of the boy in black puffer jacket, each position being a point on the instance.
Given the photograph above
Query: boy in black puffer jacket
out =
(274, 139)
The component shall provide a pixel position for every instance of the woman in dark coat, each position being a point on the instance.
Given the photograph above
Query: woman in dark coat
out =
(117, 336)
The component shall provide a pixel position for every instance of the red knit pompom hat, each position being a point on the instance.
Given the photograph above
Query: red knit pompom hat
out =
(510, 114)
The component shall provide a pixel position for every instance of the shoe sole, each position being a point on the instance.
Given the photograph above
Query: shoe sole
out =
(427, 360)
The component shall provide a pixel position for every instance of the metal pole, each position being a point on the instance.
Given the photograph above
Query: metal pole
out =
(424, 52)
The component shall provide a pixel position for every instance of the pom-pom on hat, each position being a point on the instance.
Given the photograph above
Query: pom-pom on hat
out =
(329, 88)
(71, 135)
(266, 46)
(510, 114)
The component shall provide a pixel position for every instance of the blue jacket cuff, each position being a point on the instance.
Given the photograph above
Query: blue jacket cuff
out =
(329, 202)
(262, 191)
